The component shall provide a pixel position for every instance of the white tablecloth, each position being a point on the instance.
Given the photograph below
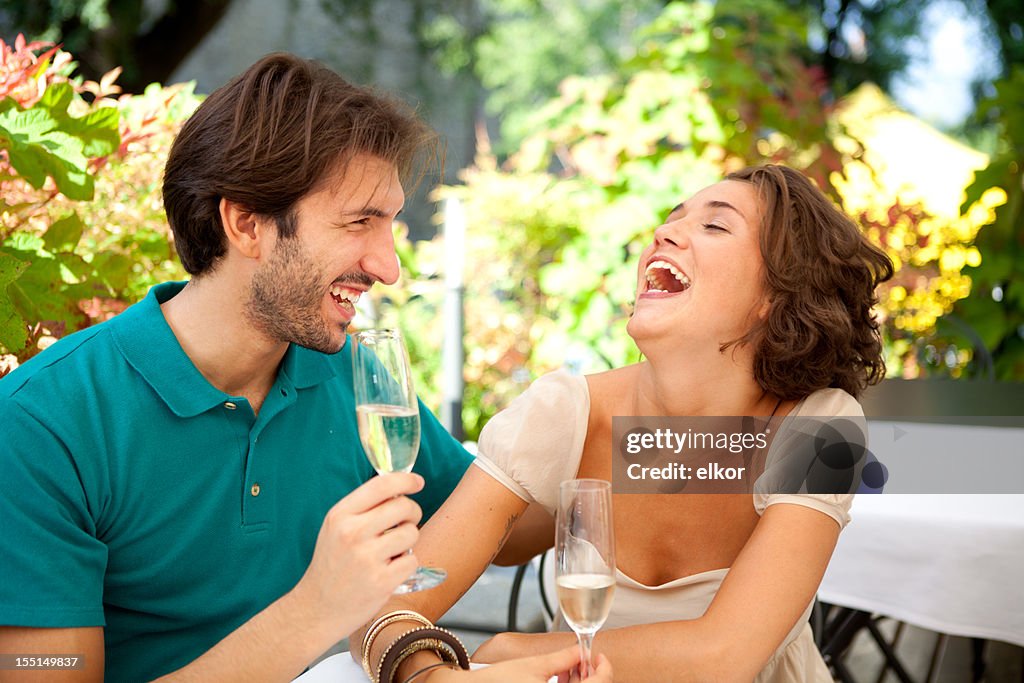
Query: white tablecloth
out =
(337, 668)
(948, 563)
(340, 668)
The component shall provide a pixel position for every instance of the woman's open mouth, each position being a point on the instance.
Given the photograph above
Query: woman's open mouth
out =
(664, 278)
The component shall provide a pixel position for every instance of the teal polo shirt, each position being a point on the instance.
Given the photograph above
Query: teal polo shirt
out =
(136, 496)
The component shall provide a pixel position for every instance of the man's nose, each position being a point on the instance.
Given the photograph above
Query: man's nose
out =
(381, 260)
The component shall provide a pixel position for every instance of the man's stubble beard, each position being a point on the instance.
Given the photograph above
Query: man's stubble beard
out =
(285, 299)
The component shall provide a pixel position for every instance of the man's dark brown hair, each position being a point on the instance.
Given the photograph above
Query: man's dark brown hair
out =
(267, 138)
(820, 275)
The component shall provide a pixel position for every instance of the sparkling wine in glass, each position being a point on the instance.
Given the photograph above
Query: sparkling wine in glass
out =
(387, 413)
(585, 559)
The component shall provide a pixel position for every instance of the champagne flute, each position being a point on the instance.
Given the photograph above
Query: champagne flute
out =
(387, 413)
(585, 559)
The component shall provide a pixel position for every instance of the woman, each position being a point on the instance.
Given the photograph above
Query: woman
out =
(754, 299)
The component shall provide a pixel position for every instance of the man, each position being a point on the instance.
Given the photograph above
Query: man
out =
(164, 474)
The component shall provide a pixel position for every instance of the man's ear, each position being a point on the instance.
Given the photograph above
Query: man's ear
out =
(243, 229)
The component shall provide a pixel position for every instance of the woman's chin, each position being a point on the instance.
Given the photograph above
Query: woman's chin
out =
(643, 328)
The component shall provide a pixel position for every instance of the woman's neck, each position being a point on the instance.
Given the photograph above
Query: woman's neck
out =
(710, 383)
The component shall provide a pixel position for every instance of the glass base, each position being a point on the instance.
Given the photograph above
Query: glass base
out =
(422, 579)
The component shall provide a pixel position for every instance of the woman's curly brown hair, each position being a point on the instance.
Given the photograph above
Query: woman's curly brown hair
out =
(820, 276)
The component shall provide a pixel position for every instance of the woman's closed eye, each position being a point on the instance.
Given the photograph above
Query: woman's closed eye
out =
(715, 227)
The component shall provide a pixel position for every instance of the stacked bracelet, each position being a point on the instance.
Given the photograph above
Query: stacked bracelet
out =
(382, 622)
(445, 643)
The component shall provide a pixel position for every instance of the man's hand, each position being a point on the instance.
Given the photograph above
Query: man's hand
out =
(360, 556)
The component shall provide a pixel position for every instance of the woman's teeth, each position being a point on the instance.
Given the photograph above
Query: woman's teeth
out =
(662, 276)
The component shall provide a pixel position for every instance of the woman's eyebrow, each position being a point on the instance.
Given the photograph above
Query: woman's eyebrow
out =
(718, 204)
(712, 204)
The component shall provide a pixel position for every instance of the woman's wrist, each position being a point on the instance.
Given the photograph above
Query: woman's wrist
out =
(416, 662)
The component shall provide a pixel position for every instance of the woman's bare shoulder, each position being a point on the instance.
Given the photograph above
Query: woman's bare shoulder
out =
(612, 383)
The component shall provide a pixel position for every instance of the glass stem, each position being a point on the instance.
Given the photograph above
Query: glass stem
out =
(586, 644)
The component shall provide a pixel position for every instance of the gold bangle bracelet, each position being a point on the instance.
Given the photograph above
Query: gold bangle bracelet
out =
(442, 642)
(437, 646)
(382, 622)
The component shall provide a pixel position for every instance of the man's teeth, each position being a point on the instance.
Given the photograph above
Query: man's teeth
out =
(654, 282)
(345, 294)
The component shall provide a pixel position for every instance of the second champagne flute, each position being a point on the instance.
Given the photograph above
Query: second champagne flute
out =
(388, 416)
(585, 559)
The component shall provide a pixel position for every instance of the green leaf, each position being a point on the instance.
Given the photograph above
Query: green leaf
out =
(39, 293)
(98, 131)
(64, 234)
(24, 241)
(45, 140)
(13, 329)
(113, 269)
(57, 97)
(36, 148)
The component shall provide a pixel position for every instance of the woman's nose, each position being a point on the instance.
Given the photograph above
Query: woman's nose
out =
(671, 233)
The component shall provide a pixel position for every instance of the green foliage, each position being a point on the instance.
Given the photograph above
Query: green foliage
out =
(858, 41)
(45, 140)
(529, 47)
(82, 232)
(555, 232)
(145, 39)
(994, 313)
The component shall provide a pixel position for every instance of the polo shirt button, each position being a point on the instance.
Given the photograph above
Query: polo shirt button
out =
(255, 490)
(229, 405)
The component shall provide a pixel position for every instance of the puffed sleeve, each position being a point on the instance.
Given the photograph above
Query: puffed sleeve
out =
(537, 442)
(840, 415)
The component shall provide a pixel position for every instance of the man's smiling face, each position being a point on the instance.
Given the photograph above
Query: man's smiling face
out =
(305, 293)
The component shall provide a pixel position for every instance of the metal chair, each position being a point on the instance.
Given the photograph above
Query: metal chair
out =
(540, 562)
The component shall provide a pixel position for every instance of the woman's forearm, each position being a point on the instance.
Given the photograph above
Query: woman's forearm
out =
(462, 538)
(639, 653)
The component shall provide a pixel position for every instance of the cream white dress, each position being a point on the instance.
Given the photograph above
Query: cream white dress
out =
(537, 442)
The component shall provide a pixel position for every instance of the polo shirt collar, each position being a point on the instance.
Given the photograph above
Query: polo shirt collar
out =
(149, 345)
(306, 368)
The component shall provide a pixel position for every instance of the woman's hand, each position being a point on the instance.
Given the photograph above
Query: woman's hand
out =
(506, 646)
(537, 669)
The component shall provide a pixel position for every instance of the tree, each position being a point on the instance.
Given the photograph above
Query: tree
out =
(857, 41)
(991, 319)
(555, 230)
(110, 33)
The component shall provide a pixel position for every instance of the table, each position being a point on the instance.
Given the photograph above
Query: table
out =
(337, 668)
(950, 563)
(340, 668)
